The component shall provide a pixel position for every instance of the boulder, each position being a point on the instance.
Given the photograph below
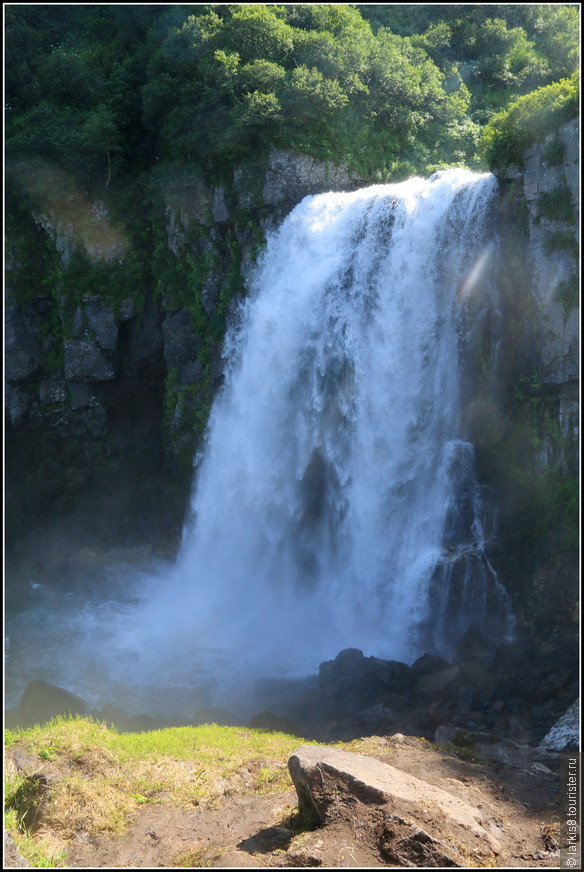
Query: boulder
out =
(359, 682)
(42, 701)
(565, 733)
(443, 685)
(377, 719)
(12, 857)
(474, 647)
(478, 677)
(273, 723)
(110, 714)
(428, 663)
(330, 782)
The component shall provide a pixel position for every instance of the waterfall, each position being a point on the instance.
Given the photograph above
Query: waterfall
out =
(325, 508)
(336, 503)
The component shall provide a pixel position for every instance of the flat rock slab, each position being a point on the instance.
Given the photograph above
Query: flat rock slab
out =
(328, 780)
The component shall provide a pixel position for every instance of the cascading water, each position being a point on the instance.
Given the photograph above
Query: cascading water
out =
(336, 504)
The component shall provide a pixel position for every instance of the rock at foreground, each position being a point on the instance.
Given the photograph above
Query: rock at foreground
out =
(331, 783)
(13, 859)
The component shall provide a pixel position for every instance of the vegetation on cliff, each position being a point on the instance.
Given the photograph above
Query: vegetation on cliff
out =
(119, 103)
(108, 92)
(510, 132)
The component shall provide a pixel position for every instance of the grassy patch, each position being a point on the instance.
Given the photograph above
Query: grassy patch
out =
(25, 796)
(556, 205)
(105, 776)
(463, 745)
(197, 858)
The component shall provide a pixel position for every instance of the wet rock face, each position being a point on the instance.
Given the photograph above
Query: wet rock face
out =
(549, 183)
(22, 343)
(84, 404)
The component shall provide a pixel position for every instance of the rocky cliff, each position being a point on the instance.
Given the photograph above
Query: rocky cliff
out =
(534, 464)
(108, 385)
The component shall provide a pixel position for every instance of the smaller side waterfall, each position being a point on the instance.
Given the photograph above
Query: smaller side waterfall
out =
(465, 590)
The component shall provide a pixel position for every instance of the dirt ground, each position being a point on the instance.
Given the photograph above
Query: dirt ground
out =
(515, 787)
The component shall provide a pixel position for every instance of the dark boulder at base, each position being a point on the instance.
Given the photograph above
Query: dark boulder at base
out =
(361, 682)
(42, 701)
(273, 723)
(428, 663)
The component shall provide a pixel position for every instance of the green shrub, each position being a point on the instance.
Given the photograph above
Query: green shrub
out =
(568, 293)
(528, 120)
(556, 205)
(554, 151)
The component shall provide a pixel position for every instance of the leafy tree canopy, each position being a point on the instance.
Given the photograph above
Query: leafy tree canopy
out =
(109, 91)
(514, 129)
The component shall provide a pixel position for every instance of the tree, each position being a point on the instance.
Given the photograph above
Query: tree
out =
(100, 133)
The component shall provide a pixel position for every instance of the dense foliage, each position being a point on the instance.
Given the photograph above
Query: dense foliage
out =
(108, 91)
(514, 129)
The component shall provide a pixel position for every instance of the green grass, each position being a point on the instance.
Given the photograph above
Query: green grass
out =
(105, 776)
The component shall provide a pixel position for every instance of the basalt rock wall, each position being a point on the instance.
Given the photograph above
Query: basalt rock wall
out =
(534, 461)
(108, 392)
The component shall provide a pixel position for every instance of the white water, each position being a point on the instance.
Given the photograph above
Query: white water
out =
(326, 490)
